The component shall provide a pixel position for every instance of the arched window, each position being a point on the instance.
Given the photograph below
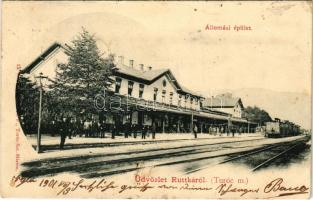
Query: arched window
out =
(164, 83)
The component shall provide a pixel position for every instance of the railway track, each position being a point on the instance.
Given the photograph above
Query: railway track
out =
(40, 162)
(107, 165)
(265, 162)
(268, 161)
(111, 163)
(134, 166)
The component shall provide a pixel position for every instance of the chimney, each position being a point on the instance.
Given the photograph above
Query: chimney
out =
(150, 68)
(141, 67)
(131, 63)
(121, 60)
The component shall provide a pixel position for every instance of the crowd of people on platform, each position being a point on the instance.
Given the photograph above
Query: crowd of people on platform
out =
(68, 127)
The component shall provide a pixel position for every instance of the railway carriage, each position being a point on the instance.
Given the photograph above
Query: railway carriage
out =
(280, 128)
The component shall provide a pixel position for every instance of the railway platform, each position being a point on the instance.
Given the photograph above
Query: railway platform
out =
(99, 161)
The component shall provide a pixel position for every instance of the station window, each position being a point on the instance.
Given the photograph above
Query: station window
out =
(155, 94)
(179, 100)
(164, 83)
(163, 96)
(130, 88)
(171, 98)
(141, 88)
(118, 82)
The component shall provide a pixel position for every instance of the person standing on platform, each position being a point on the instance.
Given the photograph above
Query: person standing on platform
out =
(195, 131)
(70, 128)
(53, 127)
(95, 128)
(144, 132)
(153, 129)
(86, 128)
(63, 130)
(80, 127)
(240, 130)
(126, 129)
(102, 129)
(135, 129)
(74, 127)
(114, 131)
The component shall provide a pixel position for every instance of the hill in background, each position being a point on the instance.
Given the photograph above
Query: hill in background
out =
(293, 106)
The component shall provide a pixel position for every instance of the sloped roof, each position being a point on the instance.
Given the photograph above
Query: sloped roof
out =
(136, 73)
(146, 77)
(150, 76)
(188, 91)
(41, 57)
(222, 101)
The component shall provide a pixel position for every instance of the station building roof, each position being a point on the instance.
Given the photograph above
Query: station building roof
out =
(224, 101)
(144, 76)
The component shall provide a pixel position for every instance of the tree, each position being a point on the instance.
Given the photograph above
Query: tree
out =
(256, 114)
(85, 75)
(27, 98)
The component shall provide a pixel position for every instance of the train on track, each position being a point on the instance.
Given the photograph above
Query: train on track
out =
(278, 128)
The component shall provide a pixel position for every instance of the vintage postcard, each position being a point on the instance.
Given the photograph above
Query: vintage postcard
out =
(165, 100)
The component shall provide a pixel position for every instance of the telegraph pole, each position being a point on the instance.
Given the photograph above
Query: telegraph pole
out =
(40, 77)
(191, 122)
(248, 126)
(229, 125)
(191, 125)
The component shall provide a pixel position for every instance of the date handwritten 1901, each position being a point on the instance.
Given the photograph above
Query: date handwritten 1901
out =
(275, 187)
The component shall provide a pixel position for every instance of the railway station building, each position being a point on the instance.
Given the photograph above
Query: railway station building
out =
(154, 96)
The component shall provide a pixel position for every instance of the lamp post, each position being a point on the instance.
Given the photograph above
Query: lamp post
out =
(40, 77)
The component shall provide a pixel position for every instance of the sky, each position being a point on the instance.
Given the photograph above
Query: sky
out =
(275, 54)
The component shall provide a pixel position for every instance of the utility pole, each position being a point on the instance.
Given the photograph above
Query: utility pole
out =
(229, 125)
(191, 125)
(248, 126)
(40, 77)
